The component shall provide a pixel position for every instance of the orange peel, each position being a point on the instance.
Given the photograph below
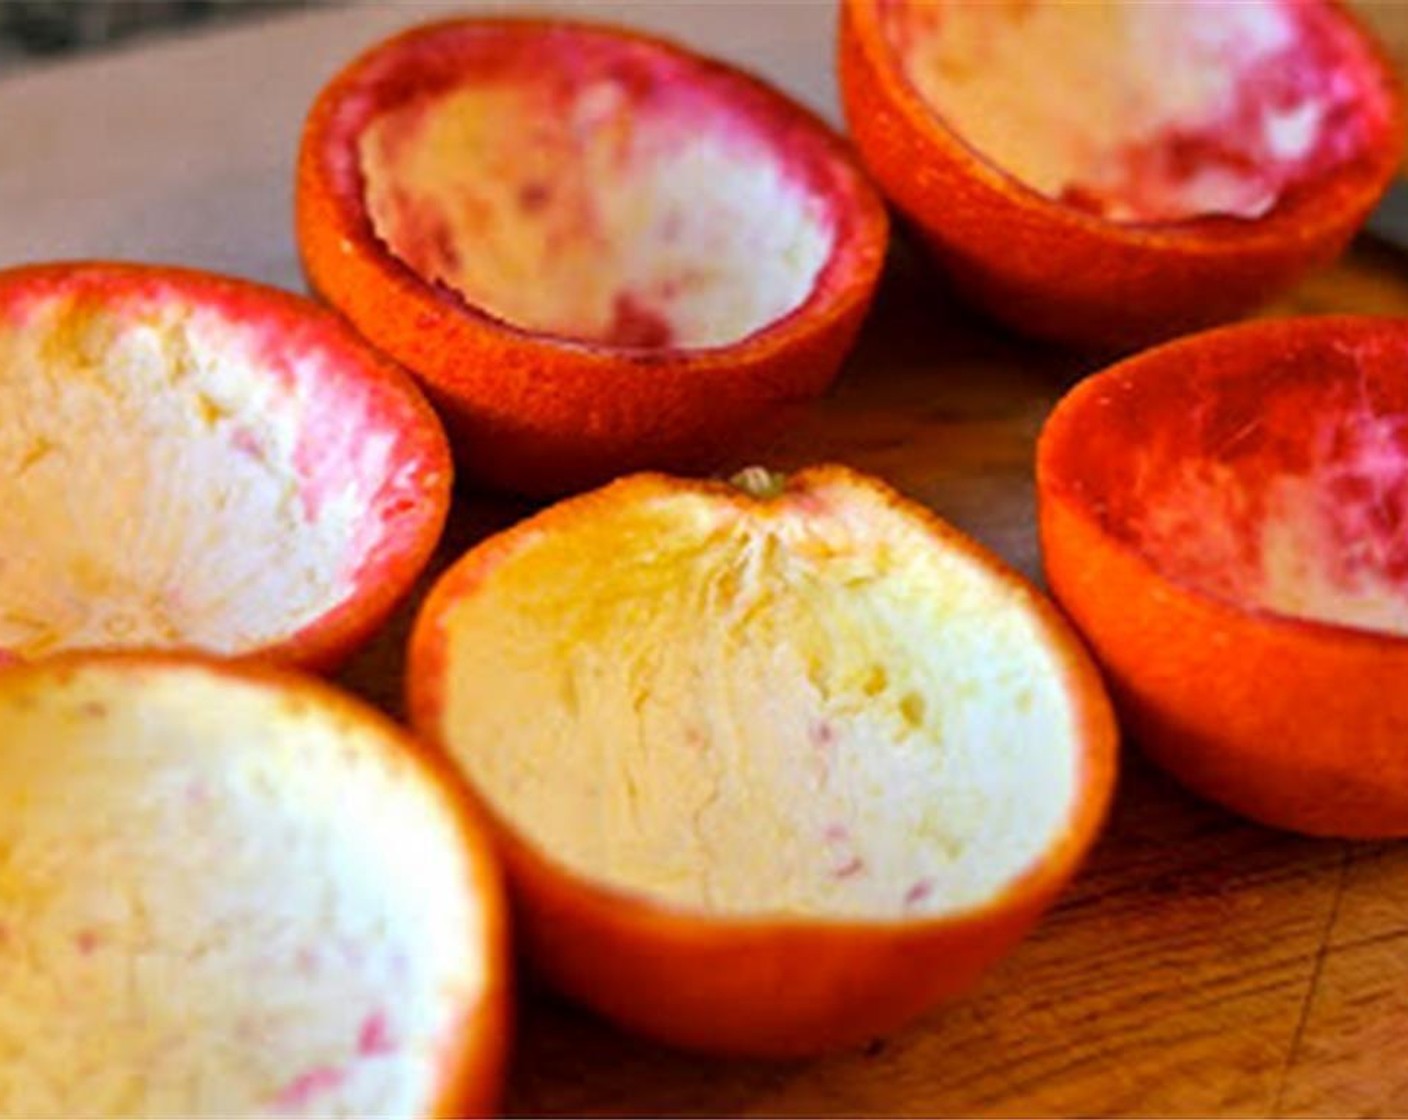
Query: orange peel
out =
(1105, 174)
(771, 774)
(197, 461)
(1222, 518)
(598, 251)
(235, 891)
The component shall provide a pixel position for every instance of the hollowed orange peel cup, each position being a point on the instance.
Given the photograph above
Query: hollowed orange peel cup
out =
(597, 250)
(1223, 519)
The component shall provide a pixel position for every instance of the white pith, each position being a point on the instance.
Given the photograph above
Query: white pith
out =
(799, 713)
(149, 494)
(689, 220)
(1093, 97)
(220, 900)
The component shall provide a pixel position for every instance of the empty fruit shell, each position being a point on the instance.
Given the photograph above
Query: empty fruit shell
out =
(772, 775)
(1223, 518)
(1108, 174)
(599, 251)
(234, 892)
(197, 461)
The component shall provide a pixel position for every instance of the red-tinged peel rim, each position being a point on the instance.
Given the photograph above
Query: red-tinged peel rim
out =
(1313, 199)
(1029, 888)
(424, 61)
(1270, 462)
(161, 699)
(189, 421)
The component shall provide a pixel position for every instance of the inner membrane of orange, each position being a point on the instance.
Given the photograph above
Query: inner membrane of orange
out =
(1145, 112)
(810, 708)
(1285, 490)
(596, 188)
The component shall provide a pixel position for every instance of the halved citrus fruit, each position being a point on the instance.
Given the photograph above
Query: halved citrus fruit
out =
(229, 892)
(1223, 518)
(599, 251)
(772, 774)
(196, 461)
(1107, 173)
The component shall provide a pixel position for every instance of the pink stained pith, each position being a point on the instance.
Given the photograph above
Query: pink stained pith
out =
(1364, 497)
(356, 431)
(1282, 487)
(919, 892)
(342, 413)
(246, 442)
(1210, 520)
(637, 324)
(559, 60)
(375, 1039)
(1296, 110)
(822, 736)
(850, 869)
(308, 1086)
(353, 422)
(1151, 177)
(661, 104)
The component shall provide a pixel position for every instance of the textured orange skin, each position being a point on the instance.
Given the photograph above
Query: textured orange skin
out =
(1056, 273)
(764, 987)
(475, 1055)
(1297, 724)
(327, 641)
(542, 415)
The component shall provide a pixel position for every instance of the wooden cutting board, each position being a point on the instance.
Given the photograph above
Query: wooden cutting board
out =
(1199, 965)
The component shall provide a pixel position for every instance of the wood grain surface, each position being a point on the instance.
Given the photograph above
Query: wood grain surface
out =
(1200, 965)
